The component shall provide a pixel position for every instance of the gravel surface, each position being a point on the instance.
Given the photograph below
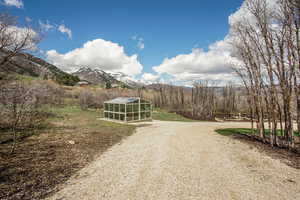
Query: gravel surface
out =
(183, 160)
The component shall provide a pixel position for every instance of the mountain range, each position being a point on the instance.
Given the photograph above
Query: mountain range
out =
(100, 77)
(29, 65)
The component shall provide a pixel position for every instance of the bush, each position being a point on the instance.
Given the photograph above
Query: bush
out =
(94, 99)
(86, 99)
(48, 93)
(21, 105)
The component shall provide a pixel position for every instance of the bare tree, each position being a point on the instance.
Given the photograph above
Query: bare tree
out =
(15, 39)
(267, 44)
(86, 99)
(19, 108)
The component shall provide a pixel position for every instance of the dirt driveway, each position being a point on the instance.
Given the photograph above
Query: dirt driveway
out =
(181, 160)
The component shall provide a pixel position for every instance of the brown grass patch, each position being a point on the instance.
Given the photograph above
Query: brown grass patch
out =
(42, 161)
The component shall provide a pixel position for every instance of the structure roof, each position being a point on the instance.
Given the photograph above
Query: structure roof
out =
(123, 100)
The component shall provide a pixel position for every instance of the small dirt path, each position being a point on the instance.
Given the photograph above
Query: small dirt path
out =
(181, 160)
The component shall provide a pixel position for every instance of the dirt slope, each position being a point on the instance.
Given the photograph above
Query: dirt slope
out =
(181, 160)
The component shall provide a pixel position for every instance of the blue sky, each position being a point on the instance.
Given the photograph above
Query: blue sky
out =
(165, 28)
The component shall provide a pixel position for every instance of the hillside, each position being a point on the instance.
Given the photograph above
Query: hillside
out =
(27, 64)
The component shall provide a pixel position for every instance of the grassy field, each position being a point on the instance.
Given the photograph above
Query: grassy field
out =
(247, 131)
(70, 139)
(163, 115)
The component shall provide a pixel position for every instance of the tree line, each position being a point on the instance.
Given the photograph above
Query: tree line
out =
(204, 100)
(267, 43)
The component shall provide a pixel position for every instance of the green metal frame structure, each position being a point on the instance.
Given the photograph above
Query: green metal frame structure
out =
(128, 109)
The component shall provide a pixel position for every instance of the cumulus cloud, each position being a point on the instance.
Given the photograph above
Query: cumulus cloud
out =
(100, 54)
(63, 29)
(149, 78)
(140, 42)
(15, 3)
(214, 64)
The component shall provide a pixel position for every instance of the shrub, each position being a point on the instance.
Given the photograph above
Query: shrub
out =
(86, 99)
(21, 105)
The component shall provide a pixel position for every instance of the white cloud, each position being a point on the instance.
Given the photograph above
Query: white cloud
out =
(243, 13)
(19, 33)
(214, 64)
(149, 78)
(140, 42)
(46, 26)
(98, 53)
(16, 3)
(63, 29)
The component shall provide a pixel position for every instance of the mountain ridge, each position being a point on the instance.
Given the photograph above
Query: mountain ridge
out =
(27, 64)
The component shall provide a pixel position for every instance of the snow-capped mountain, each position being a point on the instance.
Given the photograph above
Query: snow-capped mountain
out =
(100, 77)
(127, 80)
(95, 76)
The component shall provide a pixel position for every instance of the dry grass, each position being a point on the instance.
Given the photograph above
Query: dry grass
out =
(72, 139)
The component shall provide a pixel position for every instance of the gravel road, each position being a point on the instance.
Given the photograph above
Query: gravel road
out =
(183, 160)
